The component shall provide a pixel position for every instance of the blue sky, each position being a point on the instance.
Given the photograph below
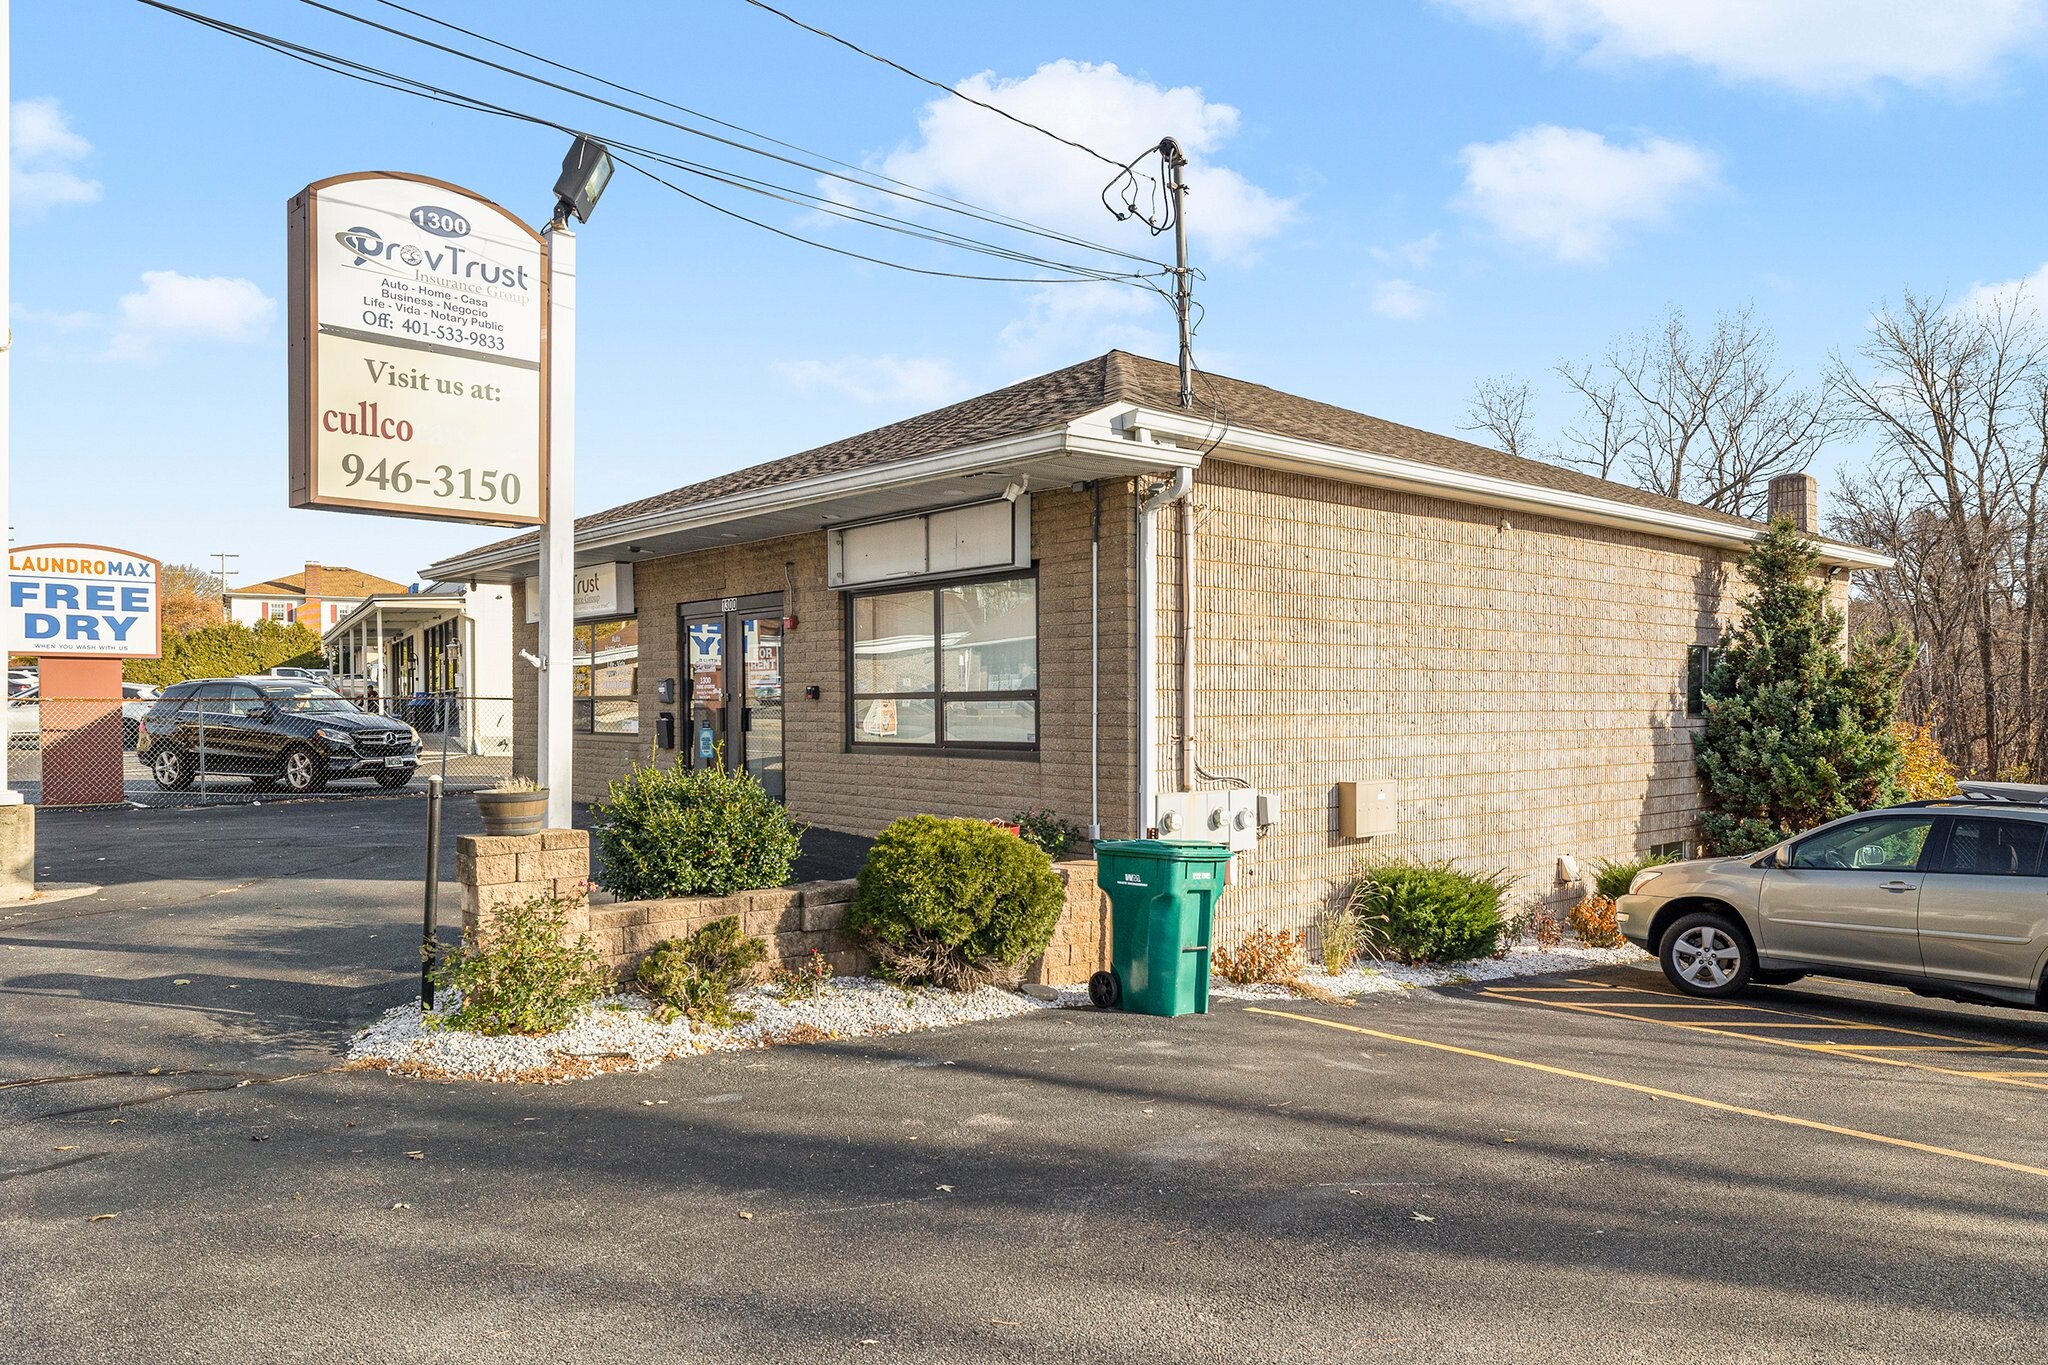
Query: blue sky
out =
(1391, 200)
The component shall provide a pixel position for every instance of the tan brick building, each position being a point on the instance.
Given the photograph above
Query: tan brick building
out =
(952, 614)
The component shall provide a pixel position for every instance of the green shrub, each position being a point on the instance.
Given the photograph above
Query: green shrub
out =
(225, 650)
(1432, 912)
(1612, 879)
(696, 976)
(520, 974)
(691, 832)
(1046, 831)
(954, 903)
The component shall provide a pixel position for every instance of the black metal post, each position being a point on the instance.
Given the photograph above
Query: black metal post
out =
(430, 927)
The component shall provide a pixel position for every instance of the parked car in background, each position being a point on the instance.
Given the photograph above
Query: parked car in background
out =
(279, 732)
(25, 718)
(136, 699)
(316, 675)
(20, 680)
(1946, 898)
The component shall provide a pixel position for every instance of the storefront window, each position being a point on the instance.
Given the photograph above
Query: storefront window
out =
(948, 667)
(607, 685)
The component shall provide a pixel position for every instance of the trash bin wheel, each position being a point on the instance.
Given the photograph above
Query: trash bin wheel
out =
(1105, 992)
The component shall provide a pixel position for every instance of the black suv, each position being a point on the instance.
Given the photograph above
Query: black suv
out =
(279, 732)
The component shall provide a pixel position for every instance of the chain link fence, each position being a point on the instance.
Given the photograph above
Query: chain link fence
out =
(228, 749)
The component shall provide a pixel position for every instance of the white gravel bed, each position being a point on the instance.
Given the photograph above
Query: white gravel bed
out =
(620, 1033)
(1369, 978)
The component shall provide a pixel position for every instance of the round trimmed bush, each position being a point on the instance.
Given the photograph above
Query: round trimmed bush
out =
(678, 831)
(954, 903)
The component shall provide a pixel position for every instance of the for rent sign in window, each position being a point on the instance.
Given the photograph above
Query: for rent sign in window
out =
(85, 601)
(419, 352)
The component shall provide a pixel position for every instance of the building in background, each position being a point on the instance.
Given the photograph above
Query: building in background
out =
(317, 597)
(440, 659)
(1313, 634)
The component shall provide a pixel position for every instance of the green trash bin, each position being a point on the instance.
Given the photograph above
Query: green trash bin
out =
(1162, 902)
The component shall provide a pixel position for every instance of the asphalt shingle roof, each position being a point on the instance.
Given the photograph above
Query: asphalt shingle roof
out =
(1054, 399)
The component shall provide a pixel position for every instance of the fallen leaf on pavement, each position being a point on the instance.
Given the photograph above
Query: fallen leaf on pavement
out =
(748, 1216)
(102, 1217)
(1423, 1217)
(117, 1120)
(947, 1188)
(401, 1206)
(417, 1156)
(181, 981)
(72, 1148)
(1005, 1322)
(259, 1137)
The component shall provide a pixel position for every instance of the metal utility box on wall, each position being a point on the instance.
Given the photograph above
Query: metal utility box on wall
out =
(1366, 809)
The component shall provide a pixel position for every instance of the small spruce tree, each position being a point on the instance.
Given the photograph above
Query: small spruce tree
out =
(1797, 734)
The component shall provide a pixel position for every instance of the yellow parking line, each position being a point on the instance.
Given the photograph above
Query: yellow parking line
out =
(1660, 1093)
(1509, 992)
(1735, 1031)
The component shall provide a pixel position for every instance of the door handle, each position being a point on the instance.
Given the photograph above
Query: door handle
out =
(1899, 886)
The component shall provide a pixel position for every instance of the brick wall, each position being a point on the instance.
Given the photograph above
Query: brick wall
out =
(861, 792)
(499, 871)
(1519, 679)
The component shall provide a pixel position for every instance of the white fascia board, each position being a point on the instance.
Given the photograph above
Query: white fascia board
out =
(1313, 457)
(950, 464)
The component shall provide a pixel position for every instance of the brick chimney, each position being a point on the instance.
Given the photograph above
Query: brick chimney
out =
(1796, 498)
(309, 611)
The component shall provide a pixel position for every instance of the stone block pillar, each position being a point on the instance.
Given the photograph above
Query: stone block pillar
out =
(498, 871)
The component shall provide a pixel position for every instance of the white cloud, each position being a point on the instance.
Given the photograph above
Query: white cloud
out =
(1404, 300)
(172, 306)
(1415, 255)
(42, 151)
(1809, 45)
(1067, 322)
(1568, 191)
(878, 379)
(1989, 299)
(992, 162)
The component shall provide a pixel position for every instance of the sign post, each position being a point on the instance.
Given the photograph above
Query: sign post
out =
(558, 538)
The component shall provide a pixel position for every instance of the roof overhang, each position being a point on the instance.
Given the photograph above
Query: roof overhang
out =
(400, 611)
(1118, 441)
(1387, 471)
(1053, 458)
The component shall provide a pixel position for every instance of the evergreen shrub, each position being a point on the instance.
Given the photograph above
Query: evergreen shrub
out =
(954, 903)
(520, 974)
(696, 976)
(680, 831)
(1433, 912)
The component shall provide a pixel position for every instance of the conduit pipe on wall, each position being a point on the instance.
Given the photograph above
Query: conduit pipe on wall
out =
(1147, 685)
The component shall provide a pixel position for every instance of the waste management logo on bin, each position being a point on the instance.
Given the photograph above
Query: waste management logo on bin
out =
(86, 601)
(1132, 879)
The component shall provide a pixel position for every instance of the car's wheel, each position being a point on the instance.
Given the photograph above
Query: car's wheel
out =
(171, 769)
(1705, 954)
(395, 779)
(302, 771)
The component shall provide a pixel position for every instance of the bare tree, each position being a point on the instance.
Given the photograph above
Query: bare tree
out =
(1500, 408)
(1958, 401)
(1708, 420)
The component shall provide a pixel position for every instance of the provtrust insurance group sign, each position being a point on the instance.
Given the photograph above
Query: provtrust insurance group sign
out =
(81, 601)
(418, 352)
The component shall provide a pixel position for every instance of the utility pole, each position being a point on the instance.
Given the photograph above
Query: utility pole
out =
(1183, 282)
(222, 557)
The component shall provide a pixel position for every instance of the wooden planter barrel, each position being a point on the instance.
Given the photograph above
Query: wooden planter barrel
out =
(513, 812)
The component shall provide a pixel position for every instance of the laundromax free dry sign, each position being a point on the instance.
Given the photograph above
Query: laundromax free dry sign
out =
(418, 352)
(83, 601)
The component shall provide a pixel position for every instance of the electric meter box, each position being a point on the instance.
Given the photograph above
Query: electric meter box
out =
(1225, 815)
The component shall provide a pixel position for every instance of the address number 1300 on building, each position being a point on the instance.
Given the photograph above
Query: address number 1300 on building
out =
(419, 354)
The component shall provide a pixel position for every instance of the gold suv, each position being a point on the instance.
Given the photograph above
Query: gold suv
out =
(1946, 898)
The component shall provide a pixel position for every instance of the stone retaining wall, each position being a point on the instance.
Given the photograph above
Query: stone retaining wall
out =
(496, 872)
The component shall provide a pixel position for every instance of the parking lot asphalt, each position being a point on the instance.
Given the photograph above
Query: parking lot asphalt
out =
(1557, 1169)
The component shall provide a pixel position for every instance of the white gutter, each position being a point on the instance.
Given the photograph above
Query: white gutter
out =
(1314, 457)
(782, 497)
(1147, 685)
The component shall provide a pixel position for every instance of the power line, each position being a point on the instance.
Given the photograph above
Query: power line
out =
(937, 85)
(936, 202)
(866, 174)
(401, 84)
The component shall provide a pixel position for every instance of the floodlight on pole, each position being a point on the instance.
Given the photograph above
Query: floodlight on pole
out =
(586, 170)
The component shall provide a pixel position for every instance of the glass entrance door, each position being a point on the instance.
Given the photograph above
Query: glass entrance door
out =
(761, 716)
(732, 657)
